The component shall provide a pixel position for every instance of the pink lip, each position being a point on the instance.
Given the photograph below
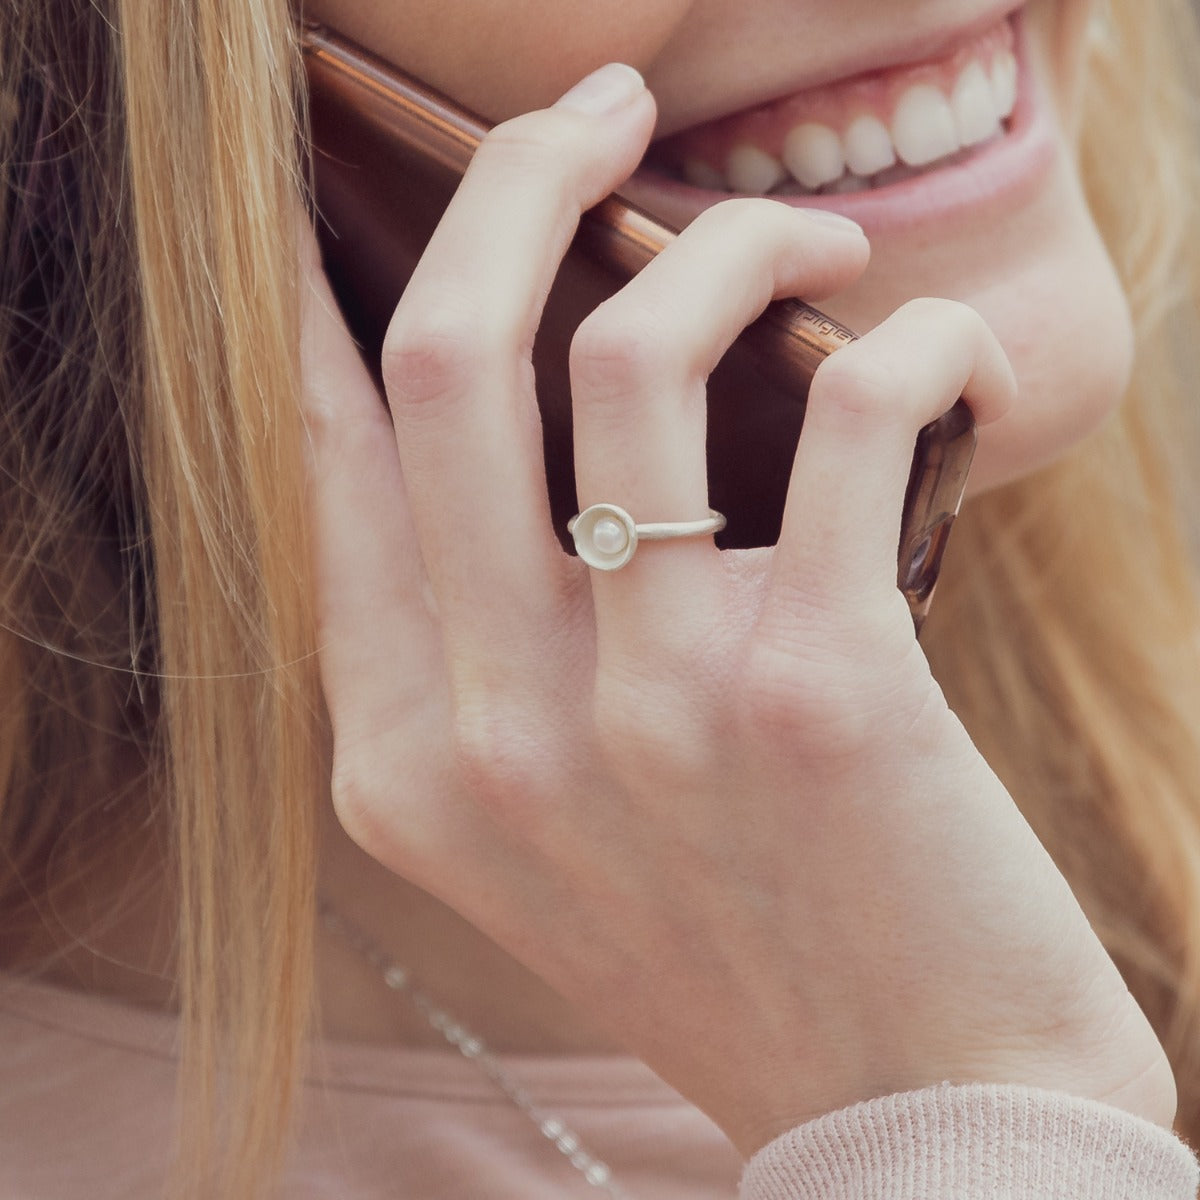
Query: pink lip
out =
(999, 172)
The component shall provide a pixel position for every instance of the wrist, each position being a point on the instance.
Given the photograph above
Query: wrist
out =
(1100, 1049)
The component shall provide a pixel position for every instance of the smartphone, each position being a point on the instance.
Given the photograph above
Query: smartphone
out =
(387, 154)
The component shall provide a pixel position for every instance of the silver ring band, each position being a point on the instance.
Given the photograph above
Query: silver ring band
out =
(606, 536)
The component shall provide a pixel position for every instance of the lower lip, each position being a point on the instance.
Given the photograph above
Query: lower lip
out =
(1001, 173)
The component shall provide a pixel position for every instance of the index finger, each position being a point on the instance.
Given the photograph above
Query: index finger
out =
(457, 365)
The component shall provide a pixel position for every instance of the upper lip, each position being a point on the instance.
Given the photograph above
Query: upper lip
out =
(910, 48)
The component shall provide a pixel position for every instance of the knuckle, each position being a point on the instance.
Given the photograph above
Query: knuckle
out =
(800, 700)
(774, 240)
(531, 143)
(837, 695)
(356, 803)
(502, 755)
(746, 216)
(647, 734)
(952, 314)
(336, 428)
(854, 384)
(618, 352)
(952, 323)
(430, 354)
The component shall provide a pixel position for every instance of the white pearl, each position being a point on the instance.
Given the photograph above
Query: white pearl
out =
(609, 536)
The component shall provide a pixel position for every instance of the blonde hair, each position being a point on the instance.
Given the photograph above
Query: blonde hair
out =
(176, 320)
(154, 597)
(1066, 632)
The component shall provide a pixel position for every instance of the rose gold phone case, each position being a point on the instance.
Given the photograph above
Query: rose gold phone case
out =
(388, 153)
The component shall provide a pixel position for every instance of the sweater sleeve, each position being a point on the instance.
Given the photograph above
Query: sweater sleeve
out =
(974, 1142)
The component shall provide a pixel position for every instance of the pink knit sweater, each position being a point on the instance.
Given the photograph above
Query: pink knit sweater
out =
(86, 1110)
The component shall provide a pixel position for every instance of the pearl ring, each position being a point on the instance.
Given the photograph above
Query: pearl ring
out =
(606, 536)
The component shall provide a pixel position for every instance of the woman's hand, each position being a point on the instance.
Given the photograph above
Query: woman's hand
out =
(714, 798)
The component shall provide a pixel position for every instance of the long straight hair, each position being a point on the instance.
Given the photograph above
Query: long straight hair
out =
(153, 599)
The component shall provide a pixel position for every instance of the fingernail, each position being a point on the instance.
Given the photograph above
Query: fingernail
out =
(834, 220)
(604, 91)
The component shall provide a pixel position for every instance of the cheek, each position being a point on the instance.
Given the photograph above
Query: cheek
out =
(503, 57)
(1064, 28)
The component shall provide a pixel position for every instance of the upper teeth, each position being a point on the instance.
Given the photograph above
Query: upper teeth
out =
(926, 125)
(869, 147)
(814, 155)
(753, 170)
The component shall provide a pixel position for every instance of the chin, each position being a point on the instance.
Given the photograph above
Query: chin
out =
(1066, 326)
(1041, 277)
(1058, 406)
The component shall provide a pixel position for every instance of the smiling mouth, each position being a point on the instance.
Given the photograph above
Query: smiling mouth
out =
(859, 134)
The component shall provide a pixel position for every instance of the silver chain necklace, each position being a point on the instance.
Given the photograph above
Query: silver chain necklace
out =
(398, 977)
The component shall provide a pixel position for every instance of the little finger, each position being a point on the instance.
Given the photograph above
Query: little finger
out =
(867, 403)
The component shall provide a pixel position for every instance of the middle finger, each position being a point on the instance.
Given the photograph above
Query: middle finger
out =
(639, 365)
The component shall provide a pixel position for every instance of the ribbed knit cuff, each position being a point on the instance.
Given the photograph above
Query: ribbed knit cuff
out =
(974, 1142)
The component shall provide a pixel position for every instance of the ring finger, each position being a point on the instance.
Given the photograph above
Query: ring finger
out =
(638, 369)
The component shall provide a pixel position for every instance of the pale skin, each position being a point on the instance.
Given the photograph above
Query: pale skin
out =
(713, 791)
